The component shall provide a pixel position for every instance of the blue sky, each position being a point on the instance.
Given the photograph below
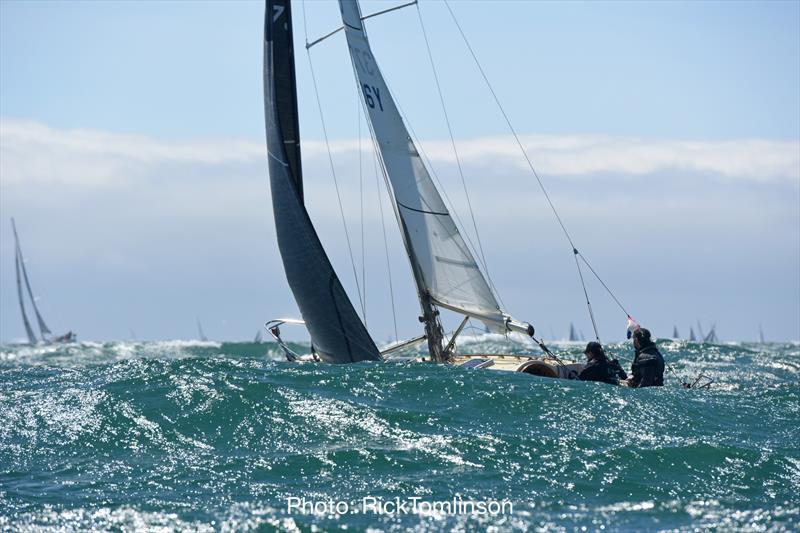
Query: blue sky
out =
(667, 132)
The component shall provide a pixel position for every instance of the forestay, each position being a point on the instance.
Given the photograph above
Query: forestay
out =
(337, 333)
(443, 265)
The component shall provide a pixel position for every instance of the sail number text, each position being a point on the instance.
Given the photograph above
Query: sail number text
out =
(372, 96)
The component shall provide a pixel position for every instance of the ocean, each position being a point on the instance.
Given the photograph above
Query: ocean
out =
(206, 436)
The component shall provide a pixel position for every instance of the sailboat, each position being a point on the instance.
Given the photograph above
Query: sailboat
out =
(700, 330)
(257, 339)
(675, 334)
(573, 336)
(445, 272)
(200, 332)
(712, 334)
(22, 275)
(761, 334)
(692, 337)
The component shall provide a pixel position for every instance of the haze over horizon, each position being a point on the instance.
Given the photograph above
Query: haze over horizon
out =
(668, 136)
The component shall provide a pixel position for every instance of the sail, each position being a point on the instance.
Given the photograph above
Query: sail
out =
(28, 329)
(691, 334)
(572, 335)
(200, 332)
(257, 339)
(675, 332)
(43, 329)
(442, 264)
(337, 333)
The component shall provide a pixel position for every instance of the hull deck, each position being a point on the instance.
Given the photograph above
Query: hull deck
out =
(521, 363)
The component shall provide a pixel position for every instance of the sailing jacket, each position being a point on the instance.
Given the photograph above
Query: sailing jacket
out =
(648, 367)
(603, 370)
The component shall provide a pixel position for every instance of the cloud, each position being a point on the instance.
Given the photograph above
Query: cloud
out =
(34, 152)
(114, 221)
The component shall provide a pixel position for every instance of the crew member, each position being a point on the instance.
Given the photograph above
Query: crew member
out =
(599, 367)
(648, 363)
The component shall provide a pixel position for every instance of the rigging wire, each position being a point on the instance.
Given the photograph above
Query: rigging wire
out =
(452, 137)
(361, 194)
(330, 161)
(535, 174)
(604, 285)
(586, 294)
(385, 244)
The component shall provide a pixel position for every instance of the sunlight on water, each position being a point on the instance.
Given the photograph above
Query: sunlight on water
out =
(202, 436)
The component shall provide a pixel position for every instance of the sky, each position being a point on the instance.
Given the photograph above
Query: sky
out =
(132, 156)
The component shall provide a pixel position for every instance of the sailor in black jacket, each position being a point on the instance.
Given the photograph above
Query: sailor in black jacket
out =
(599, 368)
(648, 363)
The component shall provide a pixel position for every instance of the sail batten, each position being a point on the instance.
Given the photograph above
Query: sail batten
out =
(445, 269)
(337, 333)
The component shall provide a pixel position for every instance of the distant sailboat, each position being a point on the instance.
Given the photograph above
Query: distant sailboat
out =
(692, 337)
(200, 331)
(573, 335)
(700, 331)
(22, 275)
(712, 334)
(28, 330)
(675, 334)
(761, 335)
(258, 338)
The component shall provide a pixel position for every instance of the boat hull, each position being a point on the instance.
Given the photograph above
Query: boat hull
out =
(521, 363)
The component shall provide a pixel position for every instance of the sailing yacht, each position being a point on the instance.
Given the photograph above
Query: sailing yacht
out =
(573, 335)
(22, 275)
(445, 271)
(200, 333)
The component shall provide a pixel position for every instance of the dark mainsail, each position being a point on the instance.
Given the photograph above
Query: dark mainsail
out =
(43, 329)
(28, 329)
(337, 333)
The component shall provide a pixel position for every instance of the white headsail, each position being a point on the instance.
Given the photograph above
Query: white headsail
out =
(442, 263)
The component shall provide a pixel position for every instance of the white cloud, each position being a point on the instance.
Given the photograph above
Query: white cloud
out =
(33, 152)
(114, 221)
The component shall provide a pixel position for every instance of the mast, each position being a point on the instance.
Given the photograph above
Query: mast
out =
(445, 270)
(337, 333)
(28, 329)
(43, 329)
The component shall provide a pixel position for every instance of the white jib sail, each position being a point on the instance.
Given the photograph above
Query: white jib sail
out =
(448, 269)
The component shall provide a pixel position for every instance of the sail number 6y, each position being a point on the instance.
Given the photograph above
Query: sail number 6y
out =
(372, 96)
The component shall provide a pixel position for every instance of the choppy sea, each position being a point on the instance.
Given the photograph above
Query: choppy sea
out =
(207, 436)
